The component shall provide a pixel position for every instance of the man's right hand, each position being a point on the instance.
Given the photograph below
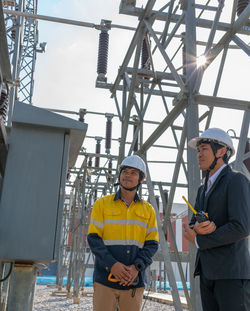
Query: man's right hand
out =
(121, 272)
(205, 227)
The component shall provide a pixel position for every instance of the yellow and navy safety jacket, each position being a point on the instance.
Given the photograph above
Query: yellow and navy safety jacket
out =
(118, 233)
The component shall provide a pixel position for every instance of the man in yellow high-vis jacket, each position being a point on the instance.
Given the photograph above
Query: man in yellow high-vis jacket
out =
(123, 236)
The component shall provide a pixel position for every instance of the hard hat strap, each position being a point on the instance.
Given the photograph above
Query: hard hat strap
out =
(130, 189)
(212, 166)
(208, 171)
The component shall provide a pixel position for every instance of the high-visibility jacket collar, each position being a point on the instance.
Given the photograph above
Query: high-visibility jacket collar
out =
(118, 196)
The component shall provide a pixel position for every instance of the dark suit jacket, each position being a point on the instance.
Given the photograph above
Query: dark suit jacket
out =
(224, 253)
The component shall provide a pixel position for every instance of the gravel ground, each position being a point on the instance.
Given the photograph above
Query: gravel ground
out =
(44, 301)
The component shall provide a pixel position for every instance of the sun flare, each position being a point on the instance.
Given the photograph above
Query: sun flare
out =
(201, 60)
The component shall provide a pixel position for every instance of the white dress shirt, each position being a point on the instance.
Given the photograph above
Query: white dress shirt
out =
(213, 178)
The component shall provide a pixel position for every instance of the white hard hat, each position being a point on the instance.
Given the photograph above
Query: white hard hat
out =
(136, 162)
(216, 135)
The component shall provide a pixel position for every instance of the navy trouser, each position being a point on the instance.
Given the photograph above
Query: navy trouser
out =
(225, 295)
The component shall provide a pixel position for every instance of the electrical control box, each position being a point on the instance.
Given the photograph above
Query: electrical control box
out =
(42, 146)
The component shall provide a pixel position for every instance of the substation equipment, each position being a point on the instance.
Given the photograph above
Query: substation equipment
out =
(174, 33)
(36, 152)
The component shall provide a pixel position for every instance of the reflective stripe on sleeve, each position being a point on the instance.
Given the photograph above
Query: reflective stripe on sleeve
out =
(125, 222)
(153, 229)
(123, 242)
(97, 223)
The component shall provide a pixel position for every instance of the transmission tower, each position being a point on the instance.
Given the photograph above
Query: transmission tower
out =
(178, 30)
(22, 34)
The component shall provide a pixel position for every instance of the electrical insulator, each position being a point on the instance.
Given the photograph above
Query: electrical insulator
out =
(242, 4)
(108, 132)
(110, 170)
(184, 60)
(135, 128)
(89, 170)
(108, 135)
(90, 162)
(98, 151)
(3, 104)
(103, 50)
(145, 55)
(165, 193)
(103, 53)
(82, 113)
(13, 34)
(136, 142)
(157, 198)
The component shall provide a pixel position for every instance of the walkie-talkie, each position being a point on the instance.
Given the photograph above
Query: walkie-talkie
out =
(199, 216)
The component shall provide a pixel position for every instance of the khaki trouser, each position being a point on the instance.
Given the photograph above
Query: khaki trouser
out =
(107, 298)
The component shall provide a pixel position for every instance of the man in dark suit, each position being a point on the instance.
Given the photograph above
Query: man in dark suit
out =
(222, 260)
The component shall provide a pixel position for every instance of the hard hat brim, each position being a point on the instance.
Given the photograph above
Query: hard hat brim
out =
(193, 142)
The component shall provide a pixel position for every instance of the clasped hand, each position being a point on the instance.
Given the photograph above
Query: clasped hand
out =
(124, 274)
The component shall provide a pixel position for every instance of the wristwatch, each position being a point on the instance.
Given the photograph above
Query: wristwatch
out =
(138, 266)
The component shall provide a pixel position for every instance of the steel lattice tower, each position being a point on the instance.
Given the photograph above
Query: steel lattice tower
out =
(22, 36)
(28, 54)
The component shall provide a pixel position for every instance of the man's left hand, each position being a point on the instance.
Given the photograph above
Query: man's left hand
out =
(189, 233)
(133, 274)
(205, 227)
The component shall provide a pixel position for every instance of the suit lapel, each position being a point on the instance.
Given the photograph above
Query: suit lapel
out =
(222, 173)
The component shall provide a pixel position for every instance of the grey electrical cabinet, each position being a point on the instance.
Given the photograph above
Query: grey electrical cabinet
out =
(42, 145)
